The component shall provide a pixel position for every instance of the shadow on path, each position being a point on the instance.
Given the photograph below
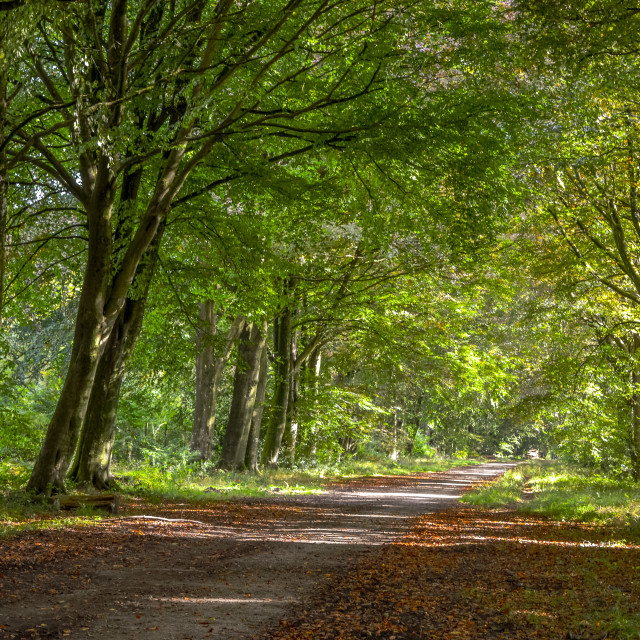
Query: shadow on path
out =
(226, 578)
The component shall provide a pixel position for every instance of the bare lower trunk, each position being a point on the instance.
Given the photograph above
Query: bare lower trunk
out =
(4, 190)
(250, 347)
(398, 426)
(280, 398)
(93, 458)
(251, 456)
(210, 365)
(91, 329)
(290, 436)
(60, 442)
(635, 411)
(315, 362)
(206, 388)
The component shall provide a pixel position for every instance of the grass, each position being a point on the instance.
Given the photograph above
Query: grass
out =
(193, 483)
(611, 506)
(565, 493)
(202, 483)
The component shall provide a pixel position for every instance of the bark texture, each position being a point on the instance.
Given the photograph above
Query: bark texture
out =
(253, 442)
(290, 436)
(206, 388)
(250, 348)
(280, 398)
(4, 189)
(635, 409)
(93, 458)
(91, 331)
(313, 372)
(209, 368)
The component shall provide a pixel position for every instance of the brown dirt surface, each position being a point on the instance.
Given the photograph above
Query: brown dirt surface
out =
(371, 558)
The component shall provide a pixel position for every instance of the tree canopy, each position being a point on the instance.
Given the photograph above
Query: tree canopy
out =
(280, 232)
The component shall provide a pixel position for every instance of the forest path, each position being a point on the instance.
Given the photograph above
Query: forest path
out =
(231, 575)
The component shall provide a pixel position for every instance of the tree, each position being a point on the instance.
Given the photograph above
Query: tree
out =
(147, 112)
(245, 393)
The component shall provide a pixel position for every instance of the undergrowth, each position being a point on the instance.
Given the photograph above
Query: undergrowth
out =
(565, 493)
(205, 482)
(192, 482)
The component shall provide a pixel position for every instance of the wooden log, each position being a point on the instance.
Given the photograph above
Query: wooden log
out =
(107, 501)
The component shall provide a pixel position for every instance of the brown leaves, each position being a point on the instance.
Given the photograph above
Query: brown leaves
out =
(469, 575)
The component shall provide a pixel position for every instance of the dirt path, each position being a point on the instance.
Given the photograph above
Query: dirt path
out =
(230, 575)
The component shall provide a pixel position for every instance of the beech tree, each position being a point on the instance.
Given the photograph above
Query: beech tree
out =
(136, 109)
(140, 94)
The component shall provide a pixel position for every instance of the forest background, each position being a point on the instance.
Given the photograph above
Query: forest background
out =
(240, 235)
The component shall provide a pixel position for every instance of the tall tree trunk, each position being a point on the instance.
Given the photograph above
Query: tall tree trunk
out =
(635, 408)
(204, 414)
(251, 456)
(280, 398)
(290, 436)
(250, 348)
(4, 189)
(313, 371)
(209, 369)
(91, 331)
(93, 457)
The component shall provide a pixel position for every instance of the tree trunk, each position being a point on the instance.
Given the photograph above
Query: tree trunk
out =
(398, 425)
(93, 457)
(91, 331)
(206, 388)
(313, 370)
(251, 456)
(280, 398)
(290, 435)
(97, 437)
(250, 348)
(635, 408)
(209, 370)
(4, 190)
(106, 285)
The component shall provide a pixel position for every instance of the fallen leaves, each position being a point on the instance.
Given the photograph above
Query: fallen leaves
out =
(472, 575)
(458, 575)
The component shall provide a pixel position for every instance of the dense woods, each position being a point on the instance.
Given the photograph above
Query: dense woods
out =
(247, 234)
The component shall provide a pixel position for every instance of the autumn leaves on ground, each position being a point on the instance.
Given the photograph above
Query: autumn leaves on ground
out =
(460, 574)
(470, 574)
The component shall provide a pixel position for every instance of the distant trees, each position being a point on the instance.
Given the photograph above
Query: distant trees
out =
(295, 207)
(138, 95)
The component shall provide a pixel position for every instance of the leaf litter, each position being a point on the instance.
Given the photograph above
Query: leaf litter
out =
(460, 574)
(472, 574)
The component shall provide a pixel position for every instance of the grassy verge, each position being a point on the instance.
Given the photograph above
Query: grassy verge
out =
(194, 483)
(565, 493)
(208, 483)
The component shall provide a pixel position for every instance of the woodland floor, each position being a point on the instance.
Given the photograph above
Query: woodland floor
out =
(392, 558)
